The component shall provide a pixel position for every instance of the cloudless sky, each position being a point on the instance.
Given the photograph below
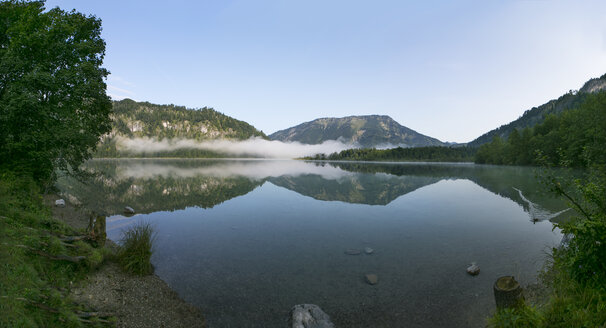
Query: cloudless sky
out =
(452, 70)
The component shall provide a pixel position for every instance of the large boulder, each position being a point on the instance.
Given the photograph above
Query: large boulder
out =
(309, 316)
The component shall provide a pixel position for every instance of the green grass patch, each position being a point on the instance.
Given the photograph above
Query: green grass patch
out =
(521, 317)
(34, 289)
(136, 249)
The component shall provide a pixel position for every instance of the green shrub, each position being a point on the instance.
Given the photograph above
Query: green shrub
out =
(136, 249)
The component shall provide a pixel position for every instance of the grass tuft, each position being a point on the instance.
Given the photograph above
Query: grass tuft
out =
(137, 248)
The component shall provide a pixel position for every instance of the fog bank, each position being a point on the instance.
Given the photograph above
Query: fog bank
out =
(253, 147)
(252, 169)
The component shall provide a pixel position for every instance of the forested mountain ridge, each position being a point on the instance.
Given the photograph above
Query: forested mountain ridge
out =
(143, 119)
(131, 119)
(367, 131)
(537, 115)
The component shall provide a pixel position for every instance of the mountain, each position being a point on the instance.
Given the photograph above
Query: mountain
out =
(133, 119)
(367, 131)
(537, 115)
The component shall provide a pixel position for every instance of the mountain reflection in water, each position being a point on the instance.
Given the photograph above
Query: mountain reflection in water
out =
(173, 184)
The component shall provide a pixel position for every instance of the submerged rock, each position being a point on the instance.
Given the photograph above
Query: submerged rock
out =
(60, 203)
(473, 269)
(129, 210)
(352, 251)
(368, 250)
(372, 278)
(309, 316)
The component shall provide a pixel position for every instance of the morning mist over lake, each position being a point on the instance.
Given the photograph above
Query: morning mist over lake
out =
(302, 164)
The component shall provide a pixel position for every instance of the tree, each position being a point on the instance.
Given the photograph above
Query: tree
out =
(53, 102)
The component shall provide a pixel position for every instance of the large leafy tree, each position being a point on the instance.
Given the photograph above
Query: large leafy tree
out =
(53, 102)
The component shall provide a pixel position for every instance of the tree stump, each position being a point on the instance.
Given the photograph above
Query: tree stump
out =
(97, 229)
(507, 293)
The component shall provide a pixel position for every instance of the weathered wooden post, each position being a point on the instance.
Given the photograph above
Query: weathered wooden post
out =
(507, 293)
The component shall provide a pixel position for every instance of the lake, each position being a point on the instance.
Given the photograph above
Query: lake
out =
(245, 240)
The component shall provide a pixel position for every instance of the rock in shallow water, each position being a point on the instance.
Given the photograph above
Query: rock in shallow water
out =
(372, 278)
(473, 269)
(309, 316)
(353, 252)
(129, 210)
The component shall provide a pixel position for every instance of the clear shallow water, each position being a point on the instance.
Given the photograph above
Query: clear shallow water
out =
(247, 240)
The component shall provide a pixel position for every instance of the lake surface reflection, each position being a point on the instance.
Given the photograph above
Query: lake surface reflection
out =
(245, 240)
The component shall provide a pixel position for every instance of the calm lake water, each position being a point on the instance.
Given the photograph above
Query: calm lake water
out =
(245, 240)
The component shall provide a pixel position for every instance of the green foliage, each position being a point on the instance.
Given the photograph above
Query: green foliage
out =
(430, 154)
(586, 251)
(576, 138)
(53, 105)
(537, 115)
(136, 249)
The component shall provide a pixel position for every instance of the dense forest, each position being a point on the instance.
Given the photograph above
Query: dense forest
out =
(574, 138)
(428, 154)
(131, 119)
(536, 115)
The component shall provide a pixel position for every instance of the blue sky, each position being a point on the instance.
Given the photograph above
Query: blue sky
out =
(448, 69)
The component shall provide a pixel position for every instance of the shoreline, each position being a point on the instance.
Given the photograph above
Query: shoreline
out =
(135, 301)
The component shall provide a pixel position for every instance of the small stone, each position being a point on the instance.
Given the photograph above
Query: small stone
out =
(473, 269)
(129, 210)
(60, 203)
(368, 250)
(372, 278)
(353, 252)
(309, 315)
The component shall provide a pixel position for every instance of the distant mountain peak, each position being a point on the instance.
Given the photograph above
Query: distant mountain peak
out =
(364, 130)
(594, 85)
